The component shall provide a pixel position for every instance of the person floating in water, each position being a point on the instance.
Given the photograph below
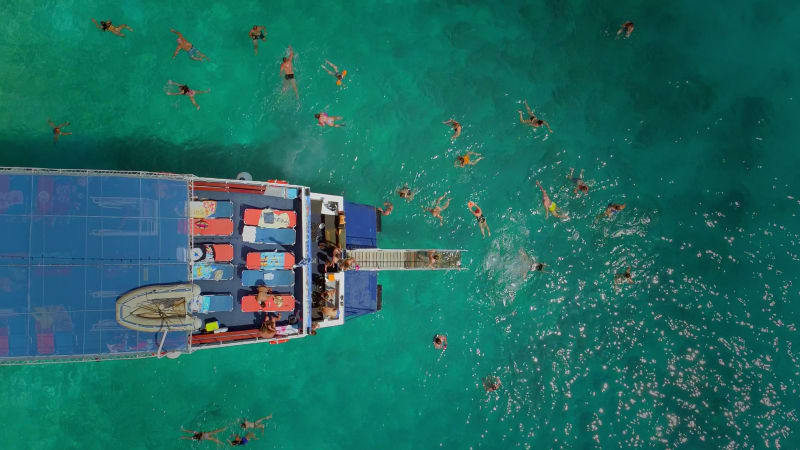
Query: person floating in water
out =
(324, 119)
(580, 186)
(185, 90)
(627, 28)
(387, 208)
(202, 435)
(456, 128)
(440, 342)
(491, 383)
(466, 160)
(436, 210)
(242, 440)
(335, 72)
(550, 206)
(187, 46)
(613, 208)
(533, 266)
(532, 120)
(406, 193)
(256, 33)
(58, 130)
(246, 424)
(624, 277)
(105, 25)
(287, 70)
(478, 213)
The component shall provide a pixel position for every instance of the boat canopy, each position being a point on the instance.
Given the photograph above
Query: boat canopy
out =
(72, 243)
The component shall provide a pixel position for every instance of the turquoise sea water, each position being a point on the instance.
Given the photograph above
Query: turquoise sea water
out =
(690, 122)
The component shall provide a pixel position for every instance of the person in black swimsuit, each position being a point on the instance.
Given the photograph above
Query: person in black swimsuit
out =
(256, 33)
(478, 213)
(287, 70)
(580, 185)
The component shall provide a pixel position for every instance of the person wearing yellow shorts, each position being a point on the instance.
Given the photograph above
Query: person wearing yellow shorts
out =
(550, 206)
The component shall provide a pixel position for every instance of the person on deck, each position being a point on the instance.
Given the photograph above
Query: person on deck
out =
(187, 46)
(105, 25)
(257, 33)
(268, 328)
(287, 70)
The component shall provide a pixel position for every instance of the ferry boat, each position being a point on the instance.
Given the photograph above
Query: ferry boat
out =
(98, 265)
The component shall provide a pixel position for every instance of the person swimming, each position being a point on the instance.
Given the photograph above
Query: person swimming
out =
(387, 208)
(335, 72)
(187, 46)
(532, 120)
(465, 160)
(456, 128)
(440, 342)
(436, 210)
(580, 186)
(492, 383)
(202, 435)
(257, 33)
(58, 130)
(624, 277)
(287, 70)
(237, 440)
(406, 193)
(549, 205)
(185, 90)
(478, 213)
(613, 208)
(323, 119)
(627, 28)
(108, 26)
(532, 266)
(245, 424)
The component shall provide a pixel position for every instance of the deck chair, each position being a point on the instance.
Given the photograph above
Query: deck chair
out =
(269, 260)
(208, 209)
(274, 303)
(212, 227)
(270, 278)
(270, 218)
(207, 303)
(211, 271)
(212, 253)
(258, 235)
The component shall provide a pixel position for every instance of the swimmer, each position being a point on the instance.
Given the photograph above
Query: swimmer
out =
(436, 210)
(184, 90)
(256, 33)
(324, 119)
(532, 120)
(478, 213)
(456, 128)
(287, 70)
(406, 193)
(202, 435)
(387, 208)
(246, 424)
(440, 342)
(491, 383)
(268, 329)
(533, 266)
(335, 72)
(433, 258)
(613, 208)
(626, 27)
(550, 206)
(465, 160)
(57, 130)
(107, 26)
(624, 277)
(242, 440)
(580, 186)
(187, 46)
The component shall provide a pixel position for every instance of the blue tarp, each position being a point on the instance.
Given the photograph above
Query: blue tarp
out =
(362, 229)
(70, 245)
(360, 294)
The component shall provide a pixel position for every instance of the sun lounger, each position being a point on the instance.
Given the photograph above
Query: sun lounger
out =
(270, 218)
(269, 260)
(274, 303)
(258, 235)
(212, 227)
(208, 209)
(270, 278)
(211, 271)
(212, 253)
(211, 303)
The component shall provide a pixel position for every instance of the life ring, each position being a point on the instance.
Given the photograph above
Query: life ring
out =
(282, 341)
(244, 176)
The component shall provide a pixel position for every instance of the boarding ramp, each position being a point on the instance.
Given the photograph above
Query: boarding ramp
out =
(391, 259)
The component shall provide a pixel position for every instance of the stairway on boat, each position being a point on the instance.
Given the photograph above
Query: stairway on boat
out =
(391, 259)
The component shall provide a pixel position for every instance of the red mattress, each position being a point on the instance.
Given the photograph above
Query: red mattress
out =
(212, 227)
(223, 252)
(286, 301)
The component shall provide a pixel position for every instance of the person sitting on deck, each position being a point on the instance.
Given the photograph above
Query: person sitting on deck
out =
(263, 295)
(268, 329)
